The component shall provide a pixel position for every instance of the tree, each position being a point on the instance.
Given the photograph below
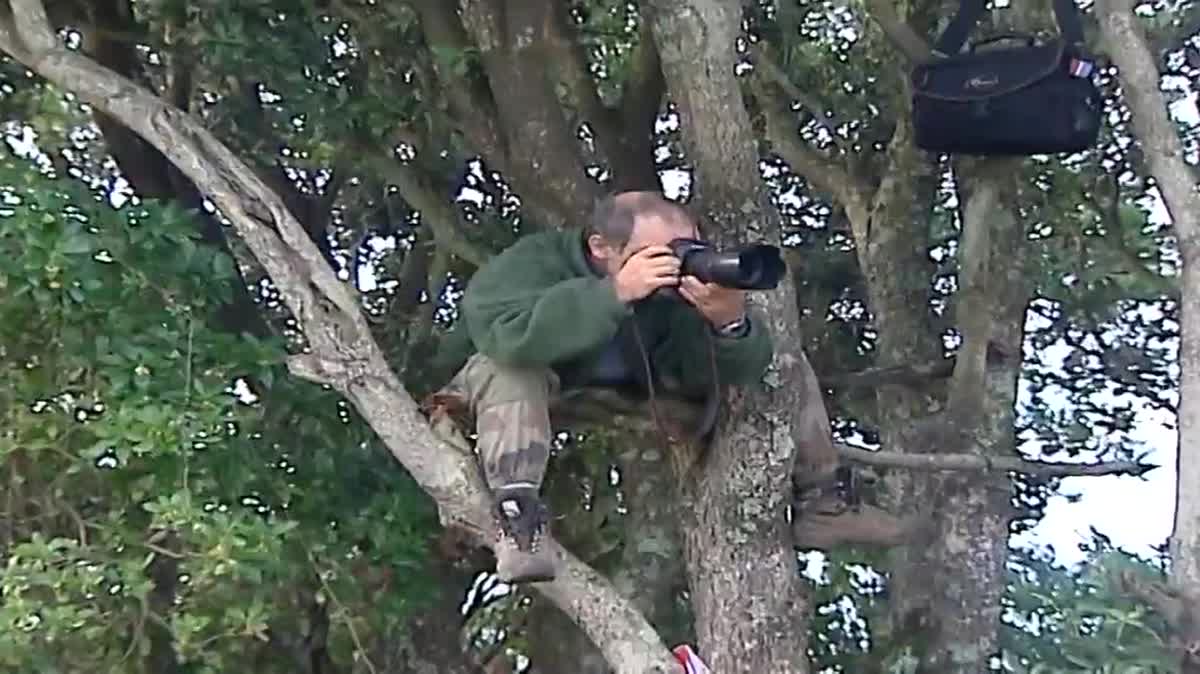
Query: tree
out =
(504, 87)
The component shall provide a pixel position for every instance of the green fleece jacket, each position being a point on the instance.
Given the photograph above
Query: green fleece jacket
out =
(539, 303)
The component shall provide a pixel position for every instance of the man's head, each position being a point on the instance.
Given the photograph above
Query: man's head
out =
(624, 223)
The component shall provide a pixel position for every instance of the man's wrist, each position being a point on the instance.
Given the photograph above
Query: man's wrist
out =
(739, 327)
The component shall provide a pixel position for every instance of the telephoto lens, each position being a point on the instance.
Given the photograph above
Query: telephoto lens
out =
(752, 267)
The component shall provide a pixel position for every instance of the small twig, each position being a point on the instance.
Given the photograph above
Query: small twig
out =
(163, 551)
(138, 631)
(346, 614)
(187, 399)
(1163, 599)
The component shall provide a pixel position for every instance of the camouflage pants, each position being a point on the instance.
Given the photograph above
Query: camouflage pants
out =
(511, 407)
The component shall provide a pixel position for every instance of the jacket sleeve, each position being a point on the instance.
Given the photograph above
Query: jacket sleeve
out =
(521, 312)
(740, 361)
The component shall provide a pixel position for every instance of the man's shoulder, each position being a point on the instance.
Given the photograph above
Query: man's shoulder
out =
(548, 241)
(551, 248)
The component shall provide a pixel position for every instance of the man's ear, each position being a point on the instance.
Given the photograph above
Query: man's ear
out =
(599, 247)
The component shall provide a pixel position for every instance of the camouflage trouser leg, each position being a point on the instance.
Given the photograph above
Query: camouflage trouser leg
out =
(511, 407)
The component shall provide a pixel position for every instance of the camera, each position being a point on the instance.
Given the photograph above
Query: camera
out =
(753, 267)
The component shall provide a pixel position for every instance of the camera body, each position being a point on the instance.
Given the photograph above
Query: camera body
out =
(753, 267)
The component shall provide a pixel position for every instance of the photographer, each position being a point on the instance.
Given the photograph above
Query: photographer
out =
(558, 310)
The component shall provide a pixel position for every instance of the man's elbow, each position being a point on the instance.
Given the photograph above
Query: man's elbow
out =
(751, 368)
(512, 352)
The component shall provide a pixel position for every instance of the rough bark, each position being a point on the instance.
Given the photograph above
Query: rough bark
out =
(651, 569)
(515, 43)
(1125, 42)
(751, 608)
(341, 351)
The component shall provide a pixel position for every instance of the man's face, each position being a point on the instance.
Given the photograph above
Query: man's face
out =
(648, 230)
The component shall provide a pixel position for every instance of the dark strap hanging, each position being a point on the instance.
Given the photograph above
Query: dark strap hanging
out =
(952, 39)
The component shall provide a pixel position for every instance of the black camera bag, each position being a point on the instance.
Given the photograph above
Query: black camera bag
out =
(1036, 98)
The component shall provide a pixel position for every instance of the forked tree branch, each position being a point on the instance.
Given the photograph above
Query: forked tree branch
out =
(341, 351)
(515, 46)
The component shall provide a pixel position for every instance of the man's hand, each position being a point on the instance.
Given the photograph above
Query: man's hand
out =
(644, 272)
(720, 305)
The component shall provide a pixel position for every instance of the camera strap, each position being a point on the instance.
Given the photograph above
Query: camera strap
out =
(712, 399)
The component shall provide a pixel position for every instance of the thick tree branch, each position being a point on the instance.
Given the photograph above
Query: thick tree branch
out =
(866, 525)
(470, 101)
(341, 351)
(600, 406)
(972, 309)
(828, 174)
(906, 375)
(902, 35)
(772, 74)
(624, 133)
(977, 284)
(1125, 43)
(983, 464)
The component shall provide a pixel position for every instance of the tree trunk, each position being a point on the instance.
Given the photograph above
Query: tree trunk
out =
(1125, 42)
(952, 625)
(749, 600)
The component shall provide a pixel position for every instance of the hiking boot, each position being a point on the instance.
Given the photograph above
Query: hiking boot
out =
(829, 512)
(522, 523)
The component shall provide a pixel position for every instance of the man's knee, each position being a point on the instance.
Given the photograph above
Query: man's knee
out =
(491, 382)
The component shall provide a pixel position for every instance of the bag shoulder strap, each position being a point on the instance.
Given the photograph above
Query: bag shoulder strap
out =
(955, 35)
(1066, 14)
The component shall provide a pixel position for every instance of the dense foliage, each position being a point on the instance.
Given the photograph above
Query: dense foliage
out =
(164, 479)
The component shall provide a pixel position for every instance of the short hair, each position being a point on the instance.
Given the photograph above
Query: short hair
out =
(615, 214)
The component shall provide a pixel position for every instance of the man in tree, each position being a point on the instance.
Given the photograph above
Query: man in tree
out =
(568, 309)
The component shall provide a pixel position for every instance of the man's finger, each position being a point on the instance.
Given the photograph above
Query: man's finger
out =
(694, 285)
(670, 265)
(653, 251)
